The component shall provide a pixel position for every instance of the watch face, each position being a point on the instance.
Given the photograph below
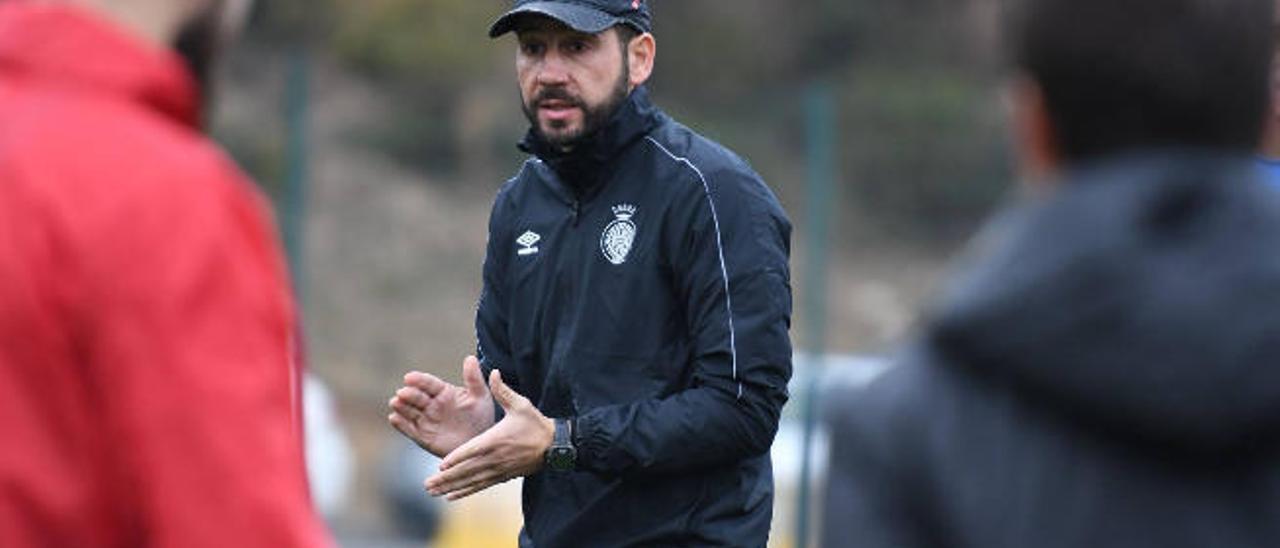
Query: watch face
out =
(561, 458)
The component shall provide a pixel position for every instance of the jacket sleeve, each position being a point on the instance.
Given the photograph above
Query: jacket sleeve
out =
(729, 243)
(876, 473)
(863, 507)
(493, 347)
(192, 343)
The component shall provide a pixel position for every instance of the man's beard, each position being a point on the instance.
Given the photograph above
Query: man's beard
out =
(593, 117)
(199, 43)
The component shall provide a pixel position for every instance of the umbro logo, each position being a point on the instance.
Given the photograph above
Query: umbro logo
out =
(528, 243)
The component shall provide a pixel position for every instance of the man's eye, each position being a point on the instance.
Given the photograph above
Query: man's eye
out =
(530, 48)
(577, 46)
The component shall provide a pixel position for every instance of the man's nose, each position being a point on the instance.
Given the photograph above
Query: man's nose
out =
(553, 70)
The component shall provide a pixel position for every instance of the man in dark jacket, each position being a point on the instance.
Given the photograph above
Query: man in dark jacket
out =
(636, 291)
(1105, 371)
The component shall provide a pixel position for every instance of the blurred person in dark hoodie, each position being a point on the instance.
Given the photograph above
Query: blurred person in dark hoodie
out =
(1105, 369)
(1269, 154)
(148, 372)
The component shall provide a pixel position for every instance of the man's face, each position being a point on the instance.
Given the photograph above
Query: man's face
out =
(570, 82)
(204, 36)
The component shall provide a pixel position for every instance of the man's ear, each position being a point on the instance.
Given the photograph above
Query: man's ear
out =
(1035, 139)
(640, 53)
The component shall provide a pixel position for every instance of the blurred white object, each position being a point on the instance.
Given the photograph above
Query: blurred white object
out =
(834, 375)
(404, 473)
(329, 456)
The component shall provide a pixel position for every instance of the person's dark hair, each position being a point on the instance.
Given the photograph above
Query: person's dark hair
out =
(626, 33)
(1126, 74)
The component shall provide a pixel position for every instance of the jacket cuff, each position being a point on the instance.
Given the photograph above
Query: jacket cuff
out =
(590, 442)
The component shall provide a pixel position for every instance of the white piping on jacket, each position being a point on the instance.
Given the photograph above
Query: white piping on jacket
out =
(724, 271)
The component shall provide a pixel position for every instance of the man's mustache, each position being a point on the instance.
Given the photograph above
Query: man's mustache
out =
(557, 94)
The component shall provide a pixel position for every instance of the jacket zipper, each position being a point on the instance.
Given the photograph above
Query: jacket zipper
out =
(576, 207)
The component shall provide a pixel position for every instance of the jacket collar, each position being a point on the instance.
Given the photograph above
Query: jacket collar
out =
(71, 48)
(586, 165)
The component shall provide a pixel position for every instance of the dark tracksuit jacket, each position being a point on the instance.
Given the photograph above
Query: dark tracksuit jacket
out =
(640, 287)
(1102, 374)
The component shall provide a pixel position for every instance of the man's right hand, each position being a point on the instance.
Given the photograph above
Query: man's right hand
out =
(439, 416)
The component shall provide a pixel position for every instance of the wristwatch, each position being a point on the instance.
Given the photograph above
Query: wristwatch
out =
(562, 456)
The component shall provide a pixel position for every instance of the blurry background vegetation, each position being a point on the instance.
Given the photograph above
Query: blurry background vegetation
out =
(412, 116)
(913, 77)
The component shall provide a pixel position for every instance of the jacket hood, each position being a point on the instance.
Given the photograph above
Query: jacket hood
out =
(71, 48)
(1141, 298)
(582, 167)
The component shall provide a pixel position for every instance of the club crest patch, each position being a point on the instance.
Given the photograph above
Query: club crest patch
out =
(619, 235)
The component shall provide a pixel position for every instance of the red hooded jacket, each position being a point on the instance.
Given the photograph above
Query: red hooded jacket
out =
(147, 371)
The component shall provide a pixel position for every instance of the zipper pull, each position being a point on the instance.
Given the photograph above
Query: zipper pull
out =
(575, 213)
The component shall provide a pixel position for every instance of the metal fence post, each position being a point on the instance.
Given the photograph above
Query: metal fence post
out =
(293, 196)
(820, 129)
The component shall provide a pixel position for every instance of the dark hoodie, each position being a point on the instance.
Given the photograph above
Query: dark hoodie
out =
(1103, 374)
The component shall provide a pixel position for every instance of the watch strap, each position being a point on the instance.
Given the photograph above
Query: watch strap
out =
(564, 433)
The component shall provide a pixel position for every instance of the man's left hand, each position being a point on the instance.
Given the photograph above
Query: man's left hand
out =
(514, 447)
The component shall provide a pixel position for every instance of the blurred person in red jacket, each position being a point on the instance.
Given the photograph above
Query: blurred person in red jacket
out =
(148, 380)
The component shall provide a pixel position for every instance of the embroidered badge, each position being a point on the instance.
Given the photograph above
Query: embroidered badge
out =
(617, 238)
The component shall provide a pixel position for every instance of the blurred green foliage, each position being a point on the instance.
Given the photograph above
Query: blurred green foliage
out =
(921, 140)
(430, 43)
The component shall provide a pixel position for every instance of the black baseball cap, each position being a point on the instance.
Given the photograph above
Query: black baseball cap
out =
(589, 16)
